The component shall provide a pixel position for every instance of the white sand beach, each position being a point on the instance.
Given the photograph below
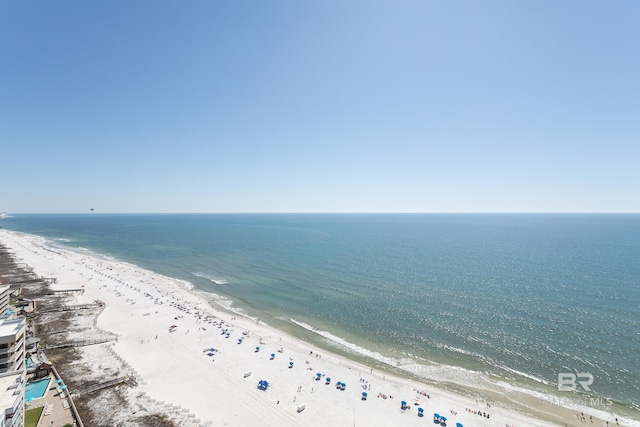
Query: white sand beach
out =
(220, 387)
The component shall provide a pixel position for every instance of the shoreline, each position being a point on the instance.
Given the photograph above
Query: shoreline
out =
(167, 360)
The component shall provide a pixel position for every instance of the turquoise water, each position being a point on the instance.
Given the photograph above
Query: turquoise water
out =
(514, 299)
(36, 389)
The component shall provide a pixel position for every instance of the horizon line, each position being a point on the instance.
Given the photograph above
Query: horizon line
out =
(8, 214)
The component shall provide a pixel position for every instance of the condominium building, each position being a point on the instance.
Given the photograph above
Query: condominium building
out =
(12, 371)
(4, 298)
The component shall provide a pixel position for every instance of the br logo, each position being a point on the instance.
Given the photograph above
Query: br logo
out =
(568, 381)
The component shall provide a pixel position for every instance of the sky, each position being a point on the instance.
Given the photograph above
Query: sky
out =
(319, 106)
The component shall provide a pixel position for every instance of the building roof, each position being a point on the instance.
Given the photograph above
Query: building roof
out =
(11, 327)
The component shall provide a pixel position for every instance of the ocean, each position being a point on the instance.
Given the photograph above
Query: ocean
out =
(478, 303)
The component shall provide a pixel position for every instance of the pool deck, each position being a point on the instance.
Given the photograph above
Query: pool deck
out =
(57, 416)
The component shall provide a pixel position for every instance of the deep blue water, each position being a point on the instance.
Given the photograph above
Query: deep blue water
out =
(515, 297)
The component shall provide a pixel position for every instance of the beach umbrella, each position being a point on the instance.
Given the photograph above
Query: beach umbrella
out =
(318, 375)
(273, 356)
(443, 418)
(420, 412)
(257, 349)
(364, 395)
(436, 415)
(458, 425)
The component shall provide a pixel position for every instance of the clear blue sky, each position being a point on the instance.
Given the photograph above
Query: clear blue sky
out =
(320, 106)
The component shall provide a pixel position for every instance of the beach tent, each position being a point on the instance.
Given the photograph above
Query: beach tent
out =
(364, 395)
(263, 385)
(420, 412)
(300, 408)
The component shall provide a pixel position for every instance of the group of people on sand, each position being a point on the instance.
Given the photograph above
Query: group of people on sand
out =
(474, 412)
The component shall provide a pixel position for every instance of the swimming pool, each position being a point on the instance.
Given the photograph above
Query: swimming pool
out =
(28, 363)
(36, 389)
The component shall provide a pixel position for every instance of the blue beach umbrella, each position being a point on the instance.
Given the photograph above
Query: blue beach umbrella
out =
(443, 418)
(364, 395)
(257, 349)
(273, 356)
(328, 380)
(459, 425)
(437, 416)
(420, 412)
